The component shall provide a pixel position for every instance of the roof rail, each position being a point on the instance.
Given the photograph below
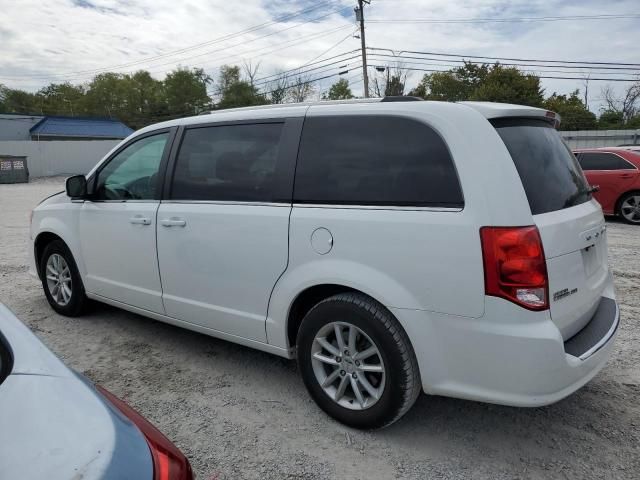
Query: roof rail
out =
(401, 98)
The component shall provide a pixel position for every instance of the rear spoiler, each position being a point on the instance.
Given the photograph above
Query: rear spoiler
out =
(492, 111)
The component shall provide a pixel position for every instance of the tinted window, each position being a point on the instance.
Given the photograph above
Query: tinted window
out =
(550, 173)
(235, 163)
(367, 160)
(133, 173)
(603, 161)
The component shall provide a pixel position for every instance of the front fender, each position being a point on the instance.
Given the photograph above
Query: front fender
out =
(60, 219)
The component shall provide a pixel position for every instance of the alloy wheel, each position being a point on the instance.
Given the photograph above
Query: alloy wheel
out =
(59, 279)
(630, 208)
(348, 366)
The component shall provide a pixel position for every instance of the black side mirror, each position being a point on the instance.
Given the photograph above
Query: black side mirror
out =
(77, 186)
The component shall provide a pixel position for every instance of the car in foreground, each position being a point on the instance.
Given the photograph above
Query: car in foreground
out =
(616, 173)
(55, 424)
(392, 247)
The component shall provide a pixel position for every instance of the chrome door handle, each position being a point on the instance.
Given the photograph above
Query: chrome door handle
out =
(140, 221)
(173, 222)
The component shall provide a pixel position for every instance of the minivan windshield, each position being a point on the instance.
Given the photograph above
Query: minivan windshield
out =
(550, 173)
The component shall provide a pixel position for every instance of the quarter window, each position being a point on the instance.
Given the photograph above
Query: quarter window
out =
(133, 173)
(228, 163)
(374, 160)
(603, 161)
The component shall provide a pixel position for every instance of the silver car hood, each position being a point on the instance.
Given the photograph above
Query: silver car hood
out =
(55, 425)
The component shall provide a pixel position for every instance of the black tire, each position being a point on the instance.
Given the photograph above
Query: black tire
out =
(402, 377)
(621, 202)
(78, 302)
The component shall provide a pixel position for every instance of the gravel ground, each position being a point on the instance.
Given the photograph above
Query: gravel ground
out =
(240, 413)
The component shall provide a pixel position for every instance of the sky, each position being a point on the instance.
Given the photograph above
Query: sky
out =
(71, 40)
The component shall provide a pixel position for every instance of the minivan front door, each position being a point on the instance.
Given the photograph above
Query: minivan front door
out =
(118, 225)
(223, 228)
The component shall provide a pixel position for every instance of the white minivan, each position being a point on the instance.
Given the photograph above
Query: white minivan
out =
(391, 246)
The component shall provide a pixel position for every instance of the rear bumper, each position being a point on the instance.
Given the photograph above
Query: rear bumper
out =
(502, 359)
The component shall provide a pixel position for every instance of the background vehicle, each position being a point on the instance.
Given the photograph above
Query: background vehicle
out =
(57, 425)
(616, 172)
(391, 247)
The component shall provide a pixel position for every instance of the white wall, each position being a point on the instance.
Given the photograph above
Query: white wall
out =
(601, 138)
(63, 157)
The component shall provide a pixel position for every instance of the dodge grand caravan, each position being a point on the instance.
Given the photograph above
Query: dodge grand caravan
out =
(391, 247)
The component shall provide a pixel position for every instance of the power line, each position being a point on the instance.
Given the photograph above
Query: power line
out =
(292, 42)
(322, 69)
(297, 70)
(350, 34)
(455, 64)
(539, 76)
(312, 81)
(506, 20)
(210, 42)
(440, 54)
(84, 73)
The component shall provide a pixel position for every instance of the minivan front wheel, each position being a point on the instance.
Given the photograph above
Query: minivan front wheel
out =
(357, 362)
(61, 280)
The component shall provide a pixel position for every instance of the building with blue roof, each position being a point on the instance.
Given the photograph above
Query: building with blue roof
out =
(29, 127)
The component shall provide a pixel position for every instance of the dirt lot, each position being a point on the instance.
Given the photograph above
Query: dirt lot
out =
(239, 413)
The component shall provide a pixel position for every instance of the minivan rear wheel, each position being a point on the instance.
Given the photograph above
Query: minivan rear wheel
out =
(357, 362)
(629, 208)
(61, 280)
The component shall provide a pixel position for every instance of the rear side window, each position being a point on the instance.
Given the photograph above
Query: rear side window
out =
(603, 161)
(227, 163)
(374, 160)
(550, 173)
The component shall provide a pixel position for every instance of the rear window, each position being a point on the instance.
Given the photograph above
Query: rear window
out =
(550, 173)
(374, 160)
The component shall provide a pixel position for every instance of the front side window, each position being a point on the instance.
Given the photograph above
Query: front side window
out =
(375, 160)
(603, 161)
(228, 163)
(133, 173)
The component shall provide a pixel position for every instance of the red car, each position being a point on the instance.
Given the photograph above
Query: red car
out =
(616, 171)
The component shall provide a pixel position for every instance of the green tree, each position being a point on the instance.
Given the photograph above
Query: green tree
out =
(611, 120)
(18, 101)
(235, 92)
(186, 91)
(62, 99)
(339, 91)
(573, 112)
(509, 85)
(491, 83)
(107, 95)
(145, 99)
(455, 85)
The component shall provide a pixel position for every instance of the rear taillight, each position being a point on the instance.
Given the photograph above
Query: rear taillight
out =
(168, 462)
(514, 266)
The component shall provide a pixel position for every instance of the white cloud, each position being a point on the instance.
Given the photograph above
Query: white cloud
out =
(42, 40)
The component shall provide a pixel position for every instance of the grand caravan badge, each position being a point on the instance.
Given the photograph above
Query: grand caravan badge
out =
(560, 294)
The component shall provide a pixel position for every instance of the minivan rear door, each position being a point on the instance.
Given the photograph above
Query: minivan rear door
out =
(570, 222)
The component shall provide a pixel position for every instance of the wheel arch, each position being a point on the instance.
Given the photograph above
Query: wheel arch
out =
(46, 236)
(305, 285)
(305, 301)
(40, 243)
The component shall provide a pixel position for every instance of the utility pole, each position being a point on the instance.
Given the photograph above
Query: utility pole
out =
(360, 17)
